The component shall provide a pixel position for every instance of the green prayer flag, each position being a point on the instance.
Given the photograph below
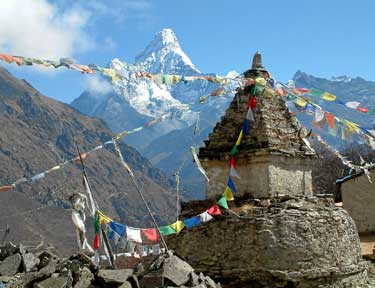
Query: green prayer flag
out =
(223, 202)
(372, 112)
(167, 230)
(234, 150)
(316, 92)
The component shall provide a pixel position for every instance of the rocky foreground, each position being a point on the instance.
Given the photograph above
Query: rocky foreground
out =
(21, 268)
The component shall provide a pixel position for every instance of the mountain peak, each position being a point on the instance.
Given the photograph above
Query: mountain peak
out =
(164, 55)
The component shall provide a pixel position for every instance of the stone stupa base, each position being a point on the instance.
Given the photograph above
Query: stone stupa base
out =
(301, 242)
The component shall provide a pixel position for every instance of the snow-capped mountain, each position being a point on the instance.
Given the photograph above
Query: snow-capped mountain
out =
(136, 100)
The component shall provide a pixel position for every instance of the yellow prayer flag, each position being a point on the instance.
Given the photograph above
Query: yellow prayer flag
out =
(269, 92)
(261, 81)
(239, 138)
(228, 194)
(178, 226)
(300, 102)
(353, 128)
(328, 96)
(103, 218)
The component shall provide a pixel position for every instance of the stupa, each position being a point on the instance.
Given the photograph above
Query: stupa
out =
(277, 234)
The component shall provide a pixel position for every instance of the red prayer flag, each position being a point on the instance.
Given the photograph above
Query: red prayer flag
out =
(330, 120)
(232, 162)
(214, 210)
(362, 109)
(252, 102)
(281, 92)
(301, 90)
(151, 234)
(96, 242)
(5, 188)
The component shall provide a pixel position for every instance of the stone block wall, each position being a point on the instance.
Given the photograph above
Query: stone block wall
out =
(358, 196)
(262, 176)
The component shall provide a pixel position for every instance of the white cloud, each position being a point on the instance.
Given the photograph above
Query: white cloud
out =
(39, 29)
(97, 85)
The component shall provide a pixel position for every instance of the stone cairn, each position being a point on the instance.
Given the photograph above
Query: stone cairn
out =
(21, 268)
(276, 233)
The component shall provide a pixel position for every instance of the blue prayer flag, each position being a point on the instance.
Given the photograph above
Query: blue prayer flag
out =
(231, 185)
(118, 228)
(246, 127)
(191, 222)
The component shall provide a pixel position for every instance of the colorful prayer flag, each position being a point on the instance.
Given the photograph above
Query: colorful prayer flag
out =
(239, 138)
(214, 210)
(5, 188)
(233, 173)
(362, 109)
(133, 234)
(250, 115)
(191, 222)
(166, 230)
(205, 217)
(300, 102)
(328, 96)
(234, 150)
(228, 194)
(150, 234)
(330, 120)
(252, 102)
(245, 127)
(231, 184)
(118, 228)
(223, 202)
(316, 92)
(178, 226)
(352, 104)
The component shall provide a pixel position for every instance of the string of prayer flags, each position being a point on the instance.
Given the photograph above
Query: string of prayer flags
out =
(166, 230)
(192, 221)
(214, 210)
(178, 226)
(223, 202)
(198, 163)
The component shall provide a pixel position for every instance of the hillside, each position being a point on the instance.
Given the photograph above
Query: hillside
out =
(36, 134)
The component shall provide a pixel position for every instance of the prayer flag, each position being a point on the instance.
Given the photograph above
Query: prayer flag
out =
(214, 210)
(133, 234)
(118, 228)
(103, 218)
(205, 217)
(330, 120)
(319, 115)
(300, 102)
(309, 109)
(38, 176)
(178, 226)
(261, 81)
(5, 188)
(233, 173)
(191, 222)
(151, 234)
(250, 115)
(231, 185)
(362, 109)
(223, 202)
(333, 131)
(328, 96)
(97, 232)
(228, 194)
(372, 112)
(316, 92)
(92, 206)
(166, 230)
(252, 102)
(198, 163)
(234, 150)
(352, 104)
(239, 138)
(245, 127)
(232, 162)
(302, 90)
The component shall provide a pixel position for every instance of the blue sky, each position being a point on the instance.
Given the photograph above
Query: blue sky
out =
(323, 38)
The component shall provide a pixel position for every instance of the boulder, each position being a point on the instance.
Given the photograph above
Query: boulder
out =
(30, 261)
(54, 282)
(176, 270)
(10, 265)
(114, 276)
(84, 279)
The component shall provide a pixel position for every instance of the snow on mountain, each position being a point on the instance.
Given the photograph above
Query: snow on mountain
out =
(136, 100)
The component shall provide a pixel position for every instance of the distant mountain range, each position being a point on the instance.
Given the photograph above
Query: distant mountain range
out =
(36, 134)
(167, 144)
